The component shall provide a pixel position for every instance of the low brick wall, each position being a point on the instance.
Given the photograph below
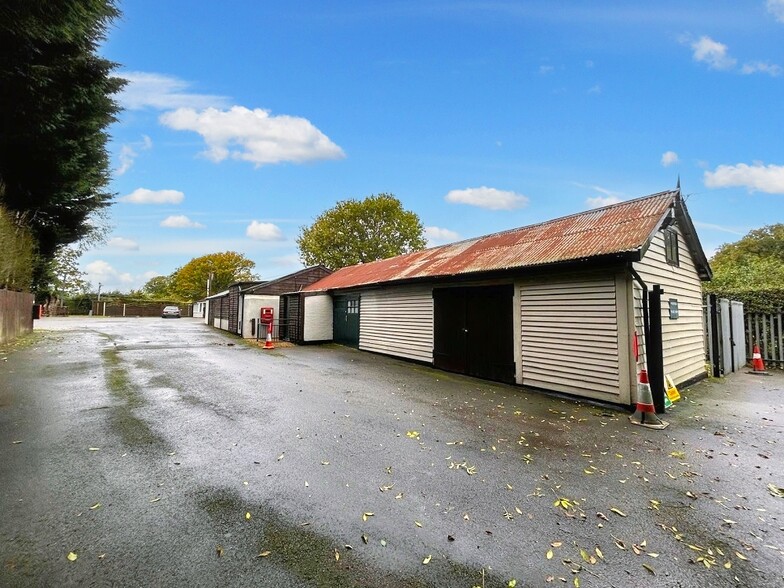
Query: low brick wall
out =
(16, 314)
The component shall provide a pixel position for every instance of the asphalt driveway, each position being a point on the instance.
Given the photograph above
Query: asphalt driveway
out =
(164, 453)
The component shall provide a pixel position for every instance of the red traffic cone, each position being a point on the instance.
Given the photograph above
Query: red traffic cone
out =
(645, 415)
(756, 362)
(268, 343)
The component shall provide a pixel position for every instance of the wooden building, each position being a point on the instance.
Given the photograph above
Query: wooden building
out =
(237, 309)
(556, 305)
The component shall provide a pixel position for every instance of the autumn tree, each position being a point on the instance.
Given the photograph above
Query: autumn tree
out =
(56, 103)
(359, 231)
(190, 281)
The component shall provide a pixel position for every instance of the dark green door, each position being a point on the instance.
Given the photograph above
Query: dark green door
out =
(345, 317)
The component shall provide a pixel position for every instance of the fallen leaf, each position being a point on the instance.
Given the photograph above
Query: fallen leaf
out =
(576, 582)
(337, 555)
(349, 547)
(366, 515)
(412, 435)
(509, 487)
(96, 505)
(264, 554)
(399, 496)
(512, 583)
(383, 543)
(281, 456)
(72, 556)
(417, 523)
(618, 512)
(518, 511)
(556, 543)
(93, 449)
(324, 463)
(649, 568)
(678, 454)
(741, 556)
(247, 516)
(155, 499)
(728, 564)
(16, 442)
(549, 554)
(427, 560)
(219, 550)
(599, 553)
(364, 539)
(772, 488)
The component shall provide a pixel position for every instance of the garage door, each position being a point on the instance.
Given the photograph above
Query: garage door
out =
(474, 331)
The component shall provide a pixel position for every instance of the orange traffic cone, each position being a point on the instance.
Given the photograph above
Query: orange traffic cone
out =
(268, 343)
(645, 415)
(756, 362)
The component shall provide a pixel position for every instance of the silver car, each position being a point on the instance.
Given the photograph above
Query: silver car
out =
(170, 312)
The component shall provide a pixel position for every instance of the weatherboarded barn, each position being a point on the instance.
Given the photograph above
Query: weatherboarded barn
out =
(557, 305)
(237, 309)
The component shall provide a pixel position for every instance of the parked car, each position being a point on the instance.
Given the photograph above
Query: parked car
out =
(170, 312)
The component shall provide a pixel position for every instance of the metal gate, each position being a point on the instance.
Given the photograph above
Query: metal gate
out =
(726, 335)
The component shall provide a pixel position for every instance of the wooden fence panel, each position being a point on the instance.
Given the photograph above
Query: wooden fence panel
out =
(767, 331)
(16, 314)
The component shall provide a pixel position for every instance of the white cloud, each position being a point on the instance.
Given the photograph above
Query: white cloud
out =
(162, 92)
(254, 135)
(490, 198)
(439, 236)
(546, 69)
(776, 8)
(755, 177)
(180, 221)
(713, 53)
(264, 232)
(291, 261)
(753, 67)
(722, 228)
(595, 89)
(599, 201)
(149, 275)
(100, 272)
(123, 243)
(669, 158)
(129, 153)
(145, 196)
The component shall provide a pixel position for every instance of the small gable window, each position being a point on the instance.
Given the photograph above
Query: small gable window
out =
(671, 247)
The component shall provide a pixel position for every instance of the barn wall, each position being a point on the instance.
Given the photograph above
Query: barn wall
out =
(318, 318)
(398, 321)
(683, 338)
(251, 307)
(570, 336)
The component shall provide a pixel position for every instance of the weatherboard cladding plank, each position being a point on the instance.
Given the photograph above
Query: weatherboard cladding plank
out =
(684, 337)
(569, 337)
(398, 321)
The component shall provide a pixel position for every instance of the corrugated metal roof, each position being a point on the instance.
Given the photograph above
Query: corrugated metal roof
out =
(617, 229)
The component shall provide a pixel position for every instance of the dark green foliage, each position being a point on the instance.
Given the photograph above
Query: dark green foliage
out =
(752, 270)
(360, 231)
(55, 105)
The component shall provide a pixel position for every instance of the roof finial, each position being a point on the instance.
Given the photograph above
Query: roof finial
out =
(678, 186)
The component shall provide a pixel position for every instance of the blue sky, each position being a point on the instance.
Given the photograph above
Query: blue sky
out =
(244, 120)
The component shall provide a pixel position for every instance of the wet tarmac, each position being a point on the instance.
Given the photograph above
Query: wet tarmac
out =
(166, 453)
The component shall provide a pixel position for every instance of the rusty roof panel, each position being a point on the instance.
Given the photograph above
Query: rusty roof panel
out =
(617, 229)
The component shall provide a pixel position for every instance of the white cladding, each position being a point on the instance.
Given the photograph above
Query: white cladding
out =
(570, 337)
(683, 338)
(318, 318)
(398, 321)
(252, 304)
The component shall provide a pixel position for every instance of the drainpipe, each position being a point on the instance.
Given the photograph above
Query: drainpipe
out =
(653, 344)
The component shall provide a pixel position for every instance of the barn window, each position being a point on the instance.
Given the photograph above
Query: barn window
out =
(671, 247)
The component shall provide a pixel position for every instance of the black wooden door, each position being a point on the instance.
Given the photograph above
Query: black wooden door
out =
(474, 333)
(345, 318)
(449, 310)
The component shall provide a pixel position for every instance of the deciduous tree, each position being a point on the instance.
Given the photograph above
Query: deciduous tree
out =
(190, 281)
(359, 231)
